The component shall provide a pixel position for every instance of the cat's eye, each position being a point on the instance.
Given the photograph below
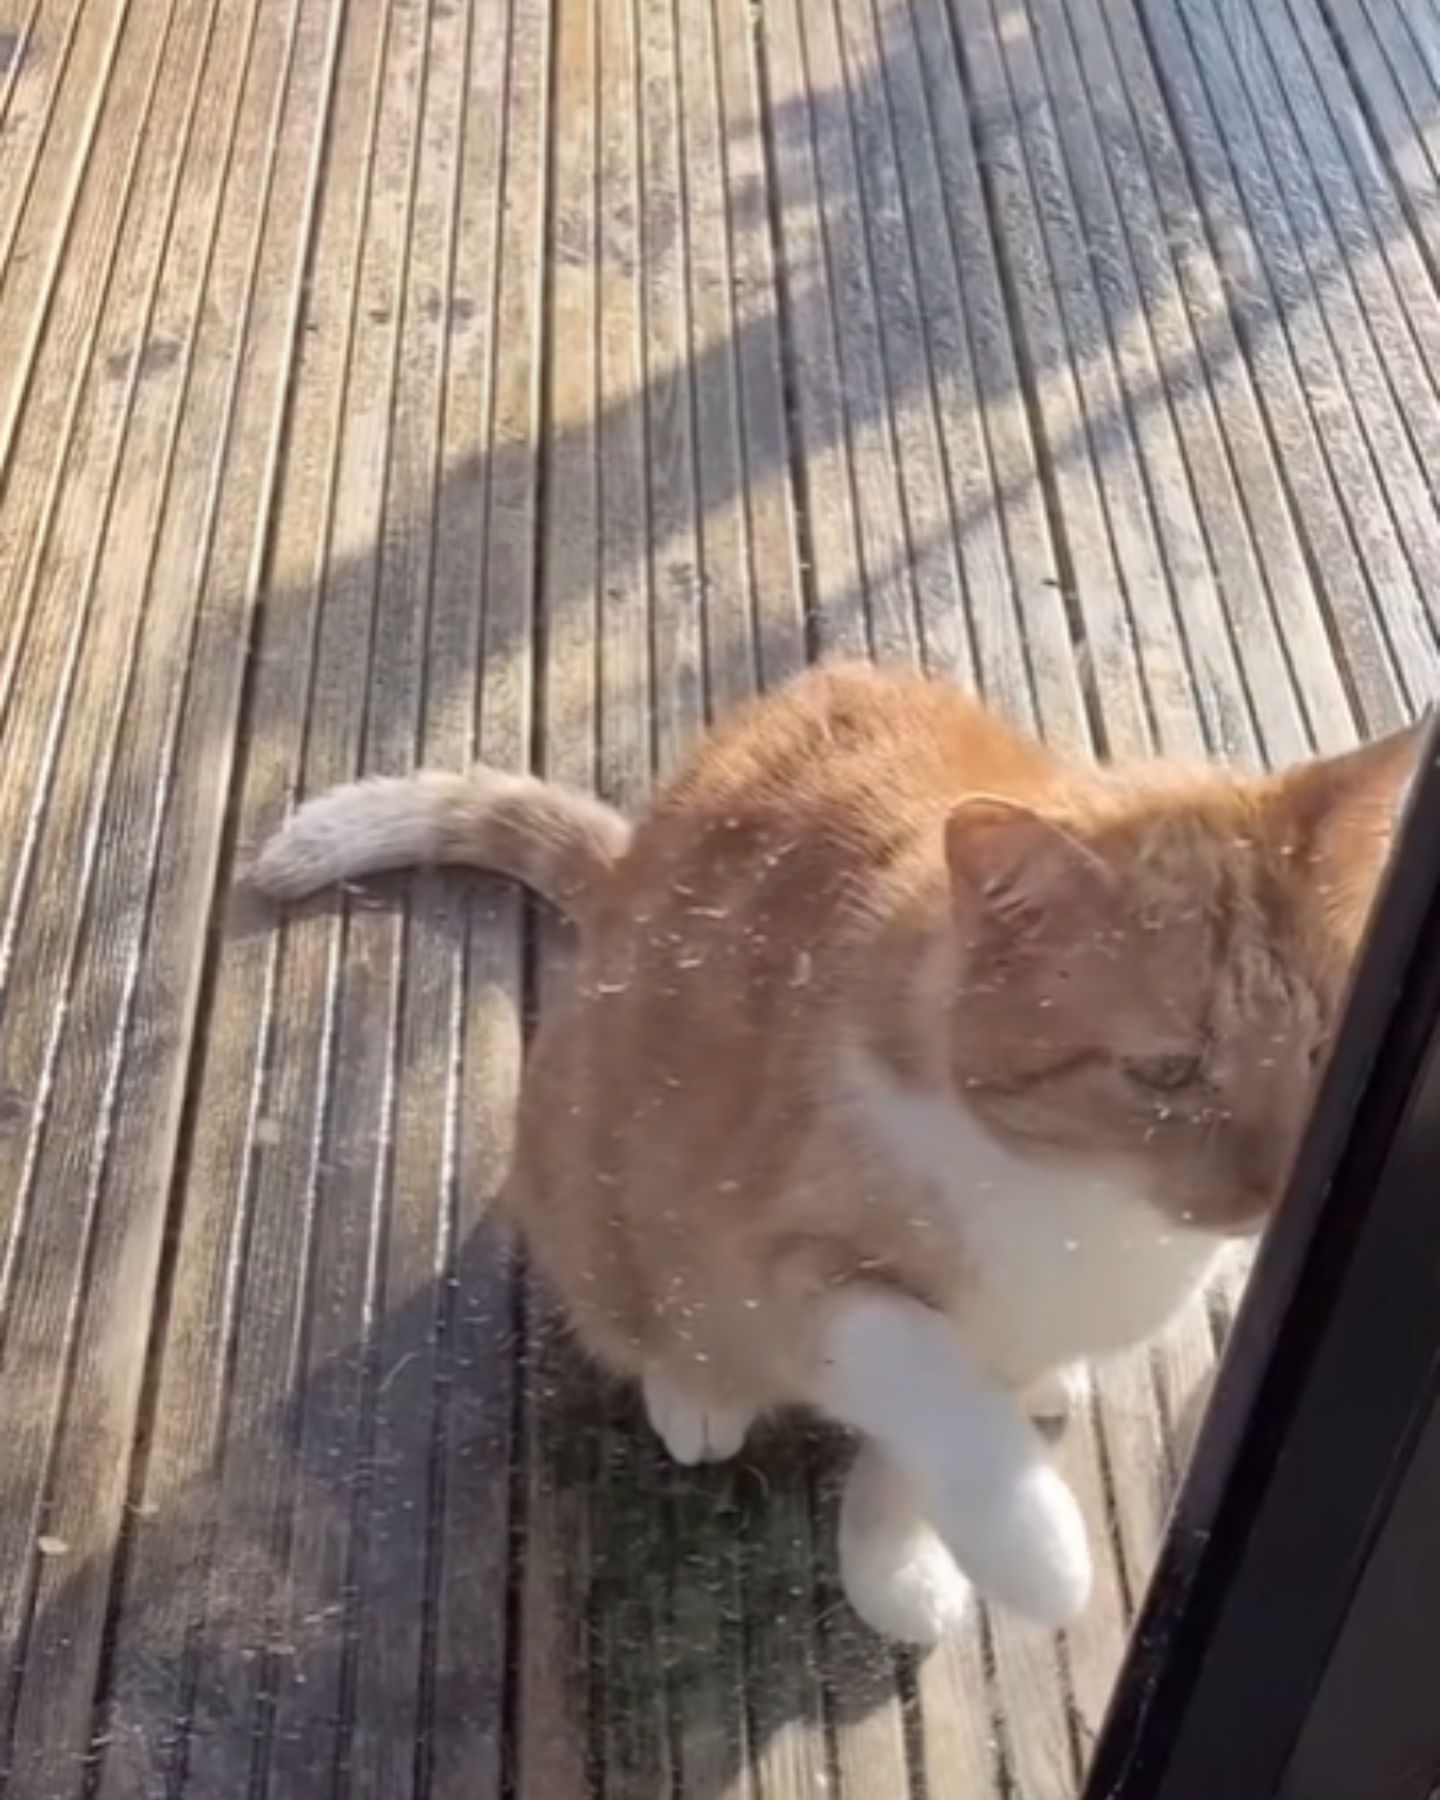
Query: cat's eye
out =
(1163, 1074)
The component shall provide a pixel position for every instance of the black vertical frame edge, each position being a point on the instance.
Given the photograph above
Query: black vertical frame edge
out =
(1363, 1136)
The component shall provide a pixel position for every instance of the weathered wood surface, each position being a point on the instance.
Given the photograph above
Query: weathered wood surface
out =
(535, 379)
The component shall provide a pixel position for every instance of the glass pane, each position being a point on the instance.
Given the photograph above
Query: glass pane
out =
(392, 384)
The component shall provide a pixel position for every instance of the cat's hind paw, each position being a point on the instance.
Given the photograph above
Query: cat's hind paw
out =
(694, 1431)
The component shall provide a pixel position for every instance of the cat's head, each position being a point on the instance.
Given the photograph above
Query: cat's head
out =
(1153, 968)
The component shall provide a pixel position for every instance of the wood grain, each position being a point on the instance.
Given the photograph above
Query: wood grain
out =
(444, 378)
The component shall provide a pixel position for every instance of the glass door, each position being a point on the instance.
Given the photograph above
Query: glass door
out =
(1289, 1645)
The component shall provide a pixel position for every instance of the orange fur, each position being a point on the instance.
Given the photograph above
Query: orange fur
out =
(791, 886)
(1108, 972)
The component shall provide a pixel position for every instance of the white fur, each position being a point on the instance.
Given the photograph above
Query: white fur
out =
(898, 1574)
(1061, 1267)
(897, 1372)
(361, 829)
(693, 1431)
(1056, 1395)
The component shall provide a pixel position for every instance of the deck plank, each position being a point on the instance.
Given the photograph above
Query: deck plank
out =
(739, 538)
(704, 652)
(256, 289)
(1389, 592)
(488, 517)
(631, 1744)
(159, 638)
(771, 498)
(443, 378)
(1399, 94)
(563, 1450)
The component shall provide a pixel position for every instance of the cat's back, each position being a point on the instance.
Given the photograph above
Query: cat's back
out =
(818, 803)
(722, 966)
(849, 761)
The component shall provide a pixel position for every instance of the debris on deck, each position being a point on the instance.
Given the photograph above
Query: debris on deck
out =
(533, 379)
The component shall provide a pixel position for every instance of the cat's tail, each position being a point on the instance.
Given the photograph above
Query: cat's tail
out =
(560, 843)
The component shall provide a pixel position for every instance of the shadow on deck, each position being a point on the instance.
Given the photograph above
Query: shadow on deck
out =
(405, 383)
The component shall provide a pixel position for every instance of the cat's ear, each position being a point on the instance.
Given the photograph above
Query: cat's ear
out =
(1014, 868)
(1336, 814)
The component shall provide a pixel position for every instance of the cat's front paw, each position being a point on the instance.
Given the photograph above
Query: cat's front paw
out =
(1039, 1550)
(907, 1586)
(897, 1573)
(692, 1430)
(1022, 1541)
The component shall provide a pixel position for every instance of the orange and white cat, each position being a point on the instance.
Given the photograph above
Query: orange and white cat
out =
(906, 1067)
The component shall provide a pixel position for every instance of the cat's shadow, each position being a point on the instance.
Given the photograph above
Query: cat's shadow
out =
(558, 1609)
(590, 1618)
(453, 1559)
(714, 1615)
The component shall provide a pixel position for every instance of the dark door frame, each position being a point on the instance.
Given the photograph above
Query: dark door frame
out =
(1331, 1373)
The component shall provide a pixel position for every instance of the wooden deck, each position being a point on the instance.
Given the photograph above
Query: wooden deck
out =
(389, 380)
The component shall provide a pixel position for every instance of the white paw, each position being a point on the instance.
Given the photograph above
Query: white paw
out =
(897, 1573)
(906, 1586)
(1054, 1399)
(1029, 1549)
(694, 1431)
(904, 1583)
